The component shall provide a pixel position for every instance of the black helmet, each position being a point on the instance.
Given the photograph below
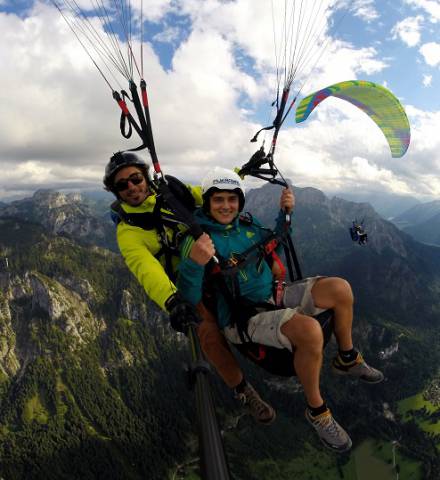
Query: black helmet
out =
(120, 160)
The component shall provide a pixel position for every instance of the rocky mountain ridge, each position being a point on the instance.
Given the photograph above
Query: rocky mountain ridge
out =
(64, 214)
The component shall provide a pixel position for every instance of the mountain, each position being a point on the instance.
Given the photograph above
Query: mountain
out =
(87, 365)
(427, 231)
(418, 214)
(92, 380)
(98, 201)
(422, 222)
(64, 214)
(388, 205)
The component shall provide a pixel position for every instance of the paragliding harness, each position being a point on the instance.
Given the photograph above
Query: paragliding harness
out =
(223, 278)
(160, 219)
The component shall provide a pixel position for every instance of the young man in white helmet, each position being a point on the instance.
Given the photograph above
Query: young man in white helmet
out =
(141, 242)
(292, 326)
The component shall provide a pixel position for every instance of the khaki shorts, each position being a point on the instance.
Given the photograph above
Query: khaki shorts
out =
(265, 327)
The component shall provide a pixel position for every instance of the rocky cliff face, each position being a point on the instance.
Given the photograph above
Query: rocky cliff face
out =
(63, 214)
(31, 304)
(54, 290)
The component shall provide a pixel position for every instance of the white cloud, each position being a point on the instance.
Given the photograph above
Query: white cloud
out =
(168, 35)
(431, 53)
(421, 166)
(365, 9)
(59, 123)
(427, 80)
(156, 10)
(431, 7)
(408, 30)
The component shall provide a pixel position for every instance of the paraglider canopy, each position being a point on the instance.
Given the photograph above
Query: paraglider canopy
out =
(373, 99)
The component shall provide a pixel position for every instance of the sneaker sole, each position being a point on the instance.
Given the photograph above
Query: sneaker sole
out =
(336, 449)
(346, 374)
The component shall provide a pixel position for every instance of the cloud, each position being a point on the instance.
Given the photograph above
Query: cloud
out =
(431, 53)
(408, 30)
(421, 166)
(427, 80)
(168, 35)
(59, 123)
(365, 9)
(431, 7)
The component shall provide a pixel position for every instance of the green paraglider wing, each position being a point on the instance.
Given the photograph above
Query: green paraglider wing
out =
(376, 101)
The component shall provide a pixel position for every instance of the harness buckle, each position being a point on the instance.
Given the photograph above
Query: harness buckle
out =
(233, 261)
(278, 292)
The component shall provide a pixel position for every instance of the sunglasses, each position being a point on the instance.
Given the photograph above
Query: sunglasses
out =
(134, 178)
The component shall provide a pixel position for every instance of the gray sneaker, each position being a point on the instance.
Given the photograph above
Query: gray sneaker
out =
(258, 408)
(331, 434)
(359, 368)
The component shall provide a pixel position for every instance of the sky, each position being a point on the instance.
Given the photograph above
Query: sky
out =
(210, 70)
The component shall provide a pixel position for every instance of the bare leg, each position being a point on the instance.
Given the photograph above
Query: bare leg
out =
(305, 335)
(336, 293)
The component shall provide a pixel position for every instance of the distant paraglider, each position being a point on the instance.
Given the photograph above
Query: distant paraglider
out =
(358, 233)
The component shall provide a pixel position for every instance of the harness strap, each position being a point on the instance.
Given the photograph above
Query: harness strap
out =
(231, 266)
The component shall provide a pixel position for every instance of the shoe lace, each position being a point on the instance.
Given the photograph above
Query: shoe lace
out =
(251, 397)
(364, 366)
(328, 424)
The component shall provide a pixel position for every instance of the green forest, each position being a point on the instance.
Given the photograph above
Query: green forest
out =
(115, 404)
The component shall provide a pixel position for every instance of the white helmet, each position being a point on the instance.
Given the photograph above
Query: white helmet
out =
(222, 179)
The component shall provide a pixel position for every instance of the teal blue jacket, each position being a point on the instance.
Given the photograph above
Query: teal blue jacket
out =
(255, 279)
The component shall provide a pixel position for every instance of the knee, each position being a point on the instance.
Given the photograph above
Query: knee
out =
(342, 292)
(304, 332)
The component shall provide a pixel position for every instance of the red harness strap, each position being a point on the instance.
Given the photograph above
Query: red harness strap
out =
(280, 282)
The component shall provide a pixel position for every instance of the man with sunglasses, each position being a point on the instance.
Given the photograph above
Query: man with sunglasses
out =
(146, 233)
(146, 243)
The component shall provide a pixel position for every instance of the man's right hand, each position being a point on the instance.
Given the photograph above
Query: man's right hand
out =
(202, 250)
(181, 312)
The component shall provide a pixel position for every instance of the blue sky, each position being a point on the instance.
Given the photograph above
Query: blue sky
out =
(209, 65)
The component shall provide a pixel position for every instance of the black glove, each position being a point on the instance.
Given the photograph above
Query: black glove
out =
(181, 312)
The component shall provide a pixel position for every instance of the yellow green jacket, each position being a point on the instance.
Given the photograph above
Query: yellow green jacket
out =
(139, 247)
